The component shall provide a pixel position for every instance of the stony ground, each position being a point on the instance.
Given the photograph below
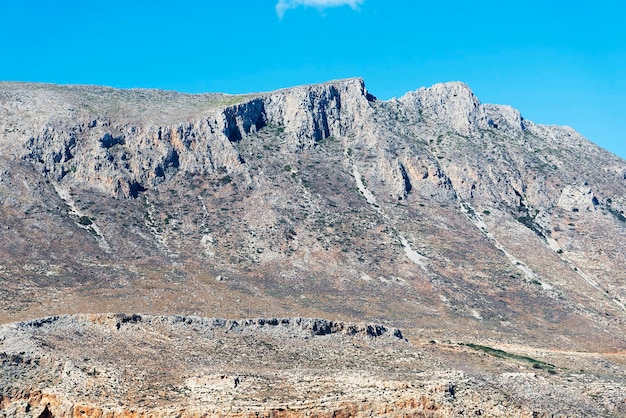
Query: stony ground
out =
(129, 365)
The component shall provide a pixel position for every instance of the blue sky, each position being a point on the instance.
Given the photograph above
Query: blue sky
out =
(558, 62)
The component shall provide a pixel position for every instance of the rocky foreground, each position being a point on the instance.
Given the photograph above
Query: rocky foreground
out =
(142, 365)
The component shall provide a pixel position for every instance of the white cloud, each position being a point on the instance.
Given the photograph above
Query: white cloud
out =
(283, 5)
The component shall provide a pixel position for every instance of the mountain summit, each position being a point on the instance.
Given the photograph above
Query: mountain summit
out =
(450, 219)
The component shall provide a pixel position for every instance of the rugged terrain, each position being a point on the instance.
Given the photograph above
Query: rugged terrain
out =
(119, 365)
(453, 220)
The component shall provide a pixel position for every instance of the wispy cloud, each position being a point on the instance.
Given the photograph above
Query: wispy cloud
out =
(283, 5)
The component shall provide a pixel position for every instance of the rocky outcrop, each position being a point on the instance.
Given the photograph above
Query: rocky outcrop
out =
(576, 198)
(454, 106)
(302, 326)
(123, 160)
(449, 104)
(504, 118)
(313, 113)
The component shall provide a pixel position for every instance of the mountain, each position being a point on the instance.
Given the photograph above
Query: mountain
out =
(458, 222)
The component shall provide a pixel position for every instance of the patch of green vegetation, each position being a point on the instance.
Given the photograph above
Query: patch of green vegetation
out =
(617, 214)
(536, 364)
(274, 130)
(470, 210)
(225, 180)
(85, 220)
(528, 221)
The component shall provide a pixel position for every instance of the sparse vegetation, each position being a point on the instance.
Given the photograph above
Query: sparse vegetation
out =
(617, 214)
(537, 364)
(529, 222)
(225, 180)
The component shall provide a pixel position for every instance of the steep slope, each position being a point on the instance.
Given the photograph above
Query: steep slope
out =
(432, 212)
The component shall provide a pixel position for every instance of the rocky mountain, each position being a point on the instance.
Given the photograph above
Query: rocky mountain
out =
(453, 220)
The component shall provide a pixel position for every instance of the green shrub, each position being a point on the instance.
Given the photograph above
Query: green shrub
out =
(536, 364)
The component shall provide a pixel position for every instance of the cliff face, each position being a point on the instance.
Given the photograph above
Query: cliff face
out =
(124, 156)
(450, 218)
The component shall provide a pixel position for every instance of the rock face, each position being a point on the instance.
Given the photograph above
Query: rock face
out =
(452, 105)
(574, 198)
(449, 218)
(122, 158)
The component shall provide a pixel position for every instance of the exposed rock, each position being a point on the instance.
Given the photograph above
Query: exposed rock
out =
(125, 159)
(577, 198)
(504, 118)
(452, 105)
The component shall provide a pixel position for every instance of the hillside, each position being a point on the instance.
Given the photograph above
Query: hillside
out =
(452, 220)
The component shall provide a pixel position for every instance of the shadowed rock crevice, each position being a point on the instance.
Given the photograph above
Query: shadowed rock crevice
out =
(407, 182)
(241, 120)
(169, 166)
(46, 413)
(108, 141)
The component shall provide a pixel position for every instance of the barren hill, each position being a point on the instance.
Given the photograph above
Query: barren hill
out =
(450, 219)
